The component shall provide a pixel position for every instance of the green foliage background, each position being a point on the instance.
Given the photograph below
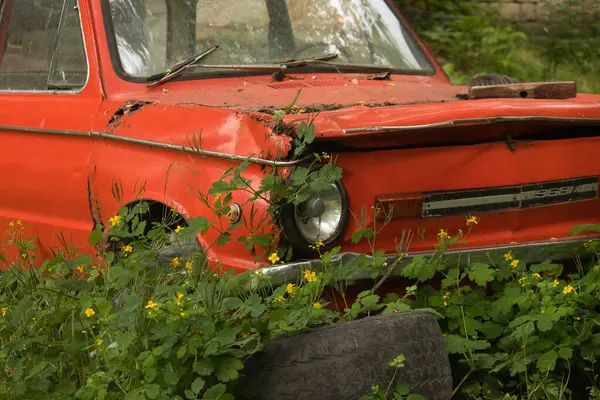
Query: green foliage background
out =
(470, 37)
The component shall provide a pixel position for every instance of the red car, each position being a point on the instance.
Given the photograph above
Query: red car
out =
(98, 97)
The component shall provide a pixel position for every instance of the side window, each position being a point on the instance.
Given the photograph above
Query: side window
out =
(41, 46)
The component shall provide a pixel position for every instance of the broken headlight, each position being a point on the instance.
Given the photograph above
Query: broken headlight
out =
(320, 219)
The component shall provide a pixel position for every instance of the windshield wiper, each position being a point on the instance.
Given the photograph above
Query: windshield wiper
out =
(178, 68)
(278, 67)
(293, 63)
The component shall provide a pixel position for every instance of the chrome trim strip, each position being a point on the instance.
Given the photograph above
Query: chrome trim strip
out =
(160, 145)
(498, 199)
(528, 252)
(494, 199)
(472, 121)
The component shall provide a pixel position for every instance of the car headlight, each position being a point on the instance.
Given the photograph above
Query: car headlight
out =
(321, 218)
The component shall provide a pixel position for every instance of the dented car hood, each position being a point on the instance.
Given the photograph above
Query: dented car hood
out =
(318, 92)
(235, 116)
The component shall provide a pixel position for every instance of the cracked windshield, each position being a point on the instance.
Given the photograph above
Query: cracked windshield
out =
(153, 35)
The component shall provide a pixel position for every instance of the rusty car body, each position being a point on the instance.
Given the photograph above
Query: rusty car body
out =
(80, 106)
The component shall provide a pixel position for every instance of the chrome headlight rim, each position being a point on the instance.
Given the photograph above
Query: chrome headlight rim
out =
(299, 241)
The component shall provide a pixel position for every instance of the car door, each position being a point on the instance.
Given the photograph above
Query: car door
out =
(47, 107)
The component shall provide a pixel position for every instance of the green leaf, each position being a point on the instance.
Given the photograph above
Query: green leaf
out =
(204, 366)
(402, 388)
(371, 302)
(585, 228)
(181, 352)
(481, 273)
(546, 266)
(263, 240)
(547, 361)
(150, 374)
(149, 361)
(152, 390)
(233, 303)
(544, 322)
(195, 226)
(458, 345)
(104, 307)
(124, 339)
(565, 353)
(217, 392)
(95, 237)
(198, 385)
(299, 176)
(414, 396)
(420, 268)
(226, 368)
(223, 238)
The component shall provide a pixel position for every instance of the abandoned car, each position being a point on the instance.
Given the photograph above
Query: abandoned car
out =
(94, 92)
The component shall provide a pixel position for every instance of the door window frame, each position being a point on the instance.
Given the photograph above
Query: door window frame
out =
(50, 66)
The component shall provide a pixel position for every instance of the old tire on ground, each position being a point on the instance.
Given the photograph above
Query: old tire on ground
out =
(343, 361)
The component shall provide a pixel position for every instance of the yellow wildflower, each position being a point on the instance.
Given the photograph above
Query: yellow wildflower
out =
(274, 258)
(290, 289)
(376, 210)
(555, 283)
(310, 276)
(279, 299)
(514, 263)
(99, 342)
(473, 220)
(179, 298)
(151, 305)
(182, 314)
(79, 269)
(175, 262)
(11, 224)
(522, 280)
(18, 222)
(445, 298)
(4, 311)
(127, 249)
(443, 235)
(114, 221)
(259, 272)
(178, 229)
(577, 318)
(89, 312)
(319, 244)
(537, 276)
(325, 156)
(508, 256)
(188, 265)
(217, 196)
(568, 289)
(317, 306)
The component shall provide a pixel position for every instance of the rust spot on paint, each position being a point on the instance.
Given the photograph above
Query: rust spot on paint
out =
(129, 108)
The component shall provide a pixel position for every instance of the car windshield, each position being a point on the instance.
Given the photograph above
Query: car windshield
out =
(152, 35)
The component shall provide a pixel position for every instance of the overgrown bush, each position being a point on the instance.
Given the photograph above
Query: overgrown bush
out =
(127, 326)
(469, 37)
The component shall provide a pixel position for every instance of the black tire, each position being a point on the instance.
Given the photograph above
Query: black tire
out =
(342, 361)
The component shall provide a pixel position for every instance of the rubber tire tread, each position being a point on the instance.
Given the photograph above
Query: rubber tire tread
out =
(342, 361)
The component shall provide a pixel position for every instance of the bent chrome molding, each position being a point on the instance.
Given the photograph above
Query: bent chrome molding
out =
(472, 121)
(528, 252)
(159, 145)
